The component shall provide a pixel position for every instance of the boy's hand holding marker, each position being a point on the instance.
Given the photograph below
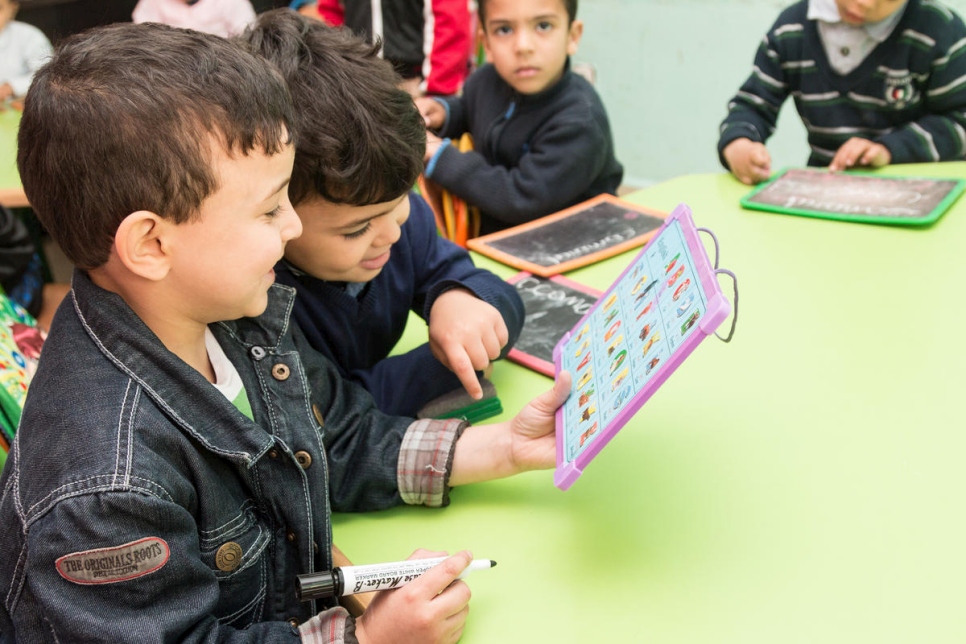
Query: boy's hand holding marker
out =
(431, 608)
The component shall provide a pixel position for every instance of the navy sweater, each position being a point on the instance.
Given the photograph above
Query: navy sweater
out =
(357, 333)
(909, 94)
(533, 154)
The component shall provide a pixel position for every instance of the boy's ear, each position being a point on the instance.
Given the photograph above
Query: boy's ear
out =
(576, 31)
(139, 243)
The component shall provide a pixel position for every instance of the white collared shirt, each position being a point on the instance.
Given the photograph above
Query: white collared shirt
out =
(227, 379)
(23, 49)
(220, 17)
(846, 46)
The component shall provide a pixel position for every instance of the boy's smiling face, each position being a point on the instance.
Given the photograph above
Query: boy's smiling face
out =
(223, 259)
(860, 12)
(528, 41)
(344, 243)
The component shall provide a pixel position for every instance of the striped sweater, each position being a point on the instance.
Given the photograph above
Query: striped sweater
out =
(909, 94)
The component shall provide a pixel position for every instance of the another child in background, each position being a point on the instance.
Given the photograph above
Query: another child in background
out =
(875, 82)
(22, 271)
(369, 252)
(219, 17)
(23, 49)
(212, 452)
(308, 8)
(541, 138)
(428, 42)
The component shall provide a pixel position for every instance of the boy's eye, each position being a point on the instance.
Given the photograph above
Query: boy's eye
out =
(274, 213)
(359, 233)
(544, 26)
(503, 30)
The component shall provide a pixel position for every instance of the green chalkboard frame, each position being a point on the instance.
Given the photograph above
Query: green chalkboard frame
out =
(927, 219)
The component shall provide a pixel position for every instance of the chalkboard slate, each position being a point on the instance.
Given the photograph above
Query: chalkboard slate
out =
(588, 232)
(553, 306)
(866, 198)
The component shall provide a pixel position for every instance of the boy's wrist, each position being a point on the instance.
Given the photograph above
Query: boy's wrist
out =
(434, 158)
(484, 453)
(445, 104)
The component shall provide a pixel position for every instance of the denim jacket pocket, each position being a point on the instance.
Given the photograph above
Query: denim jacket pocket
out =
(236, 552)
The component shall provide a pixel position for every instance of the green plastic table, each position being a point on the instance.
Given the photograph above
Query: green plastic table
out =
(803, 483)
(11, 192)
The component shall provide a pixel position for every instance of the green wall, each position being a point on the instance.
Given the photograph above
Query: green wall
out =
(666, 69)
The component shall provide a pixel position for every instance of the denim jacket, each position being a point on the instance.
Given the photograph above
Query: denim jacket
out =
(139, 505)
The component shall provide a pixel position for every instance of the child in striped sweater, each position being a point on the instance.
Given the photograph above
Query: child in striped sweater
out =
(875, 82)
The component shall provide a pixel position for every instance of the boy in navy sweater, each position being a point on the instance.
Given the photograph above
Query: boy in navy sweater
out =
(541, 138)
(370, 252)
(875, 82)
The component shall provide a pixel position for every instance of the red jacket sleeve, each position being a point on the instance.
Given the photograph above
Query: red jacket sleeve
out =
(448, 42)
(332, 12)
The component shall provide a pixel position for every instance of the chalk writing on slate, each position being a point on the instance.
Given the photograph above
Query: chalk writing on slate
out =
(553, 306)
(855, 196)
(588, 232)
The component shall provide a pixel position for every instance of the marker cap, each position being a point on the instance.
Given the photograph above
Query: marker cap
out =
(317, 586)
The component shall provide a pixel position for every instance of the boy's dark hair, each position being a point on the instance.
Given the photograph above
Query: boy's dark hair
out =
(122, 119)
(569, 5)
(361, 138)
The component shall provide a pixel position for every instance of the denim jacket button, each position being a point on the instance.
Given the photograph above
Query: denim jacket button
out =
(273, 453)
(257, 352)
(281, 371)
(228, 557)
(294, 622)
(290, 536)
(318, 416)
(304, 459)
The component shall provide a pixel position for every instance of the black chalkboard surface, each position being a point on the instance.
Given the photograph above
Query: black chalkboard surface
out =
(846, 196)
(588, 232)
(553, 306)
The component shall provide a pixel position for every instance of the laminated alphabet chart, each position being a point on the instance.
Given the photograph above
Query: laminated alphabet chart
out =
(639, 331)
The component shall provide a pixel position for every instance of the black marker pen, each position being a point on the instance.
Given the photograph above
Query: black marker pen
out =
(349, 580)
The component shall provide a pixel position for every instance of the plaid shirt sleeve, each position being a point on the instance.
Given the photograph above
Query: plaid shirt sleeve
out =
(333, 626)
(426, 459)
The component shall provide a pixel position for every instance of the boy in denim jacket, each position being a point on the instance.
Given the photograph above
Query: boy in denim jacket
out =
(181, 447)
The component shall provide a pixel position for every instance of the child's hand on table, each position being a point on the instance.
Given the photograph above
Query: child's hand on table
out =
(430, 609)
(749, 160)
(465, 334)
(434, 114)
(527, 442)
(860, 152)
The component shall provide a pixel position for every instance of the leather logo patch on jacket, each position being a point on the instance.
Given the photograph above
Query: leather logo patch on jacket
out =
(119, 563)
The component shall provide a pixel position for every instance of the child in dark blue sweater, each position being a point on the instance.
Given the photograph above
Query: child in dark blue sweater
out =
(541, 137)
(369, 252)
